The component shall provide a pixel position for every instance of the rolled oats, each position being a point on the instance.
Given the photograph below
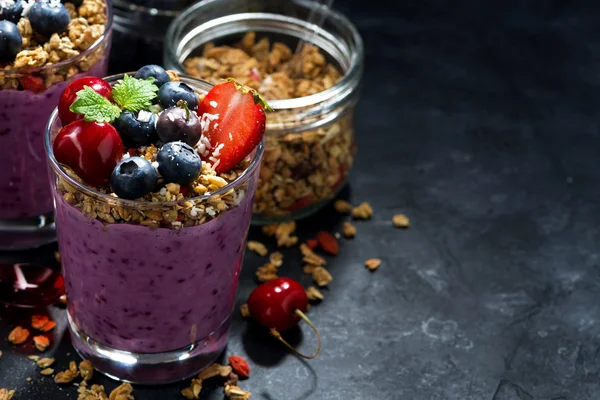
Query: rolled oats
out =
(257, 247)
(47, 371)
(298, 169)
(45, 362)
(321, 276)
(400, 221)
(372, 263)
(96, 392)
(349, 230)
(362, 211)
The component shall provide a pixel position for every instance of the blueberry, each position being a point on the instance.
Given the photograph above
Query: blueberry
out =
(12, 13)
(47, 18)
(136, 132)
(134, 177)
(178, 162)
(11, 41)
(171, 92)
(76, 3)
(176, 124)
(158, 73)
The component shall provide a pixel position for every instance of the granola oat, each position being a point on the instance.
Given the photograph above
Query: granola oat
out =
(235, 393)
(6, 394)
(314, 294)
(86, 370)
(95, 392)
(45, 362)
(372, 264)
(400, 221)
(321, 276)
(68, 375)
(215, 370)
(298, 169)
(193, 391)
(47, 371)
(88, 23)
(266, 273)
(257, 247)
(349, 230)
(309, 256)
(362, 211)
(276, 259)
(122, 392)
(245, 311)
(41, 342)
(18, 335)
(342, 206)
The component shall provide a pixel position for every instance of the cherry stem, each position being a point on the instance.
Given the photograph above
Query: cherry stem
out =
(277, 336)
(183, 104)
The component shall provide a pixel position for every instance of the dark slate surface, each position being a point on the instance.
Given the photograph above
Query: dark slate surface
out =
(478, 120)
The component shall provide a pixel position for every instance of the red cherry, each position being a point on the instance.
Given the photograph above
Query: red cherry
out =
(91, 149)
(279, 305)
(69, 95)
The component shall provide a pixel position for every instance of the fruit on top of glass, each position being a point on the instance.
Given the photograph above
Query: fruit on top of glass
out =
(91, 149)
(155, 71)
(12, 11)
(179, 124)
(136, 130)
(69, 95)
(178, 163)
(48, 17)
(171, 93)
(11, 41)
(133, 177)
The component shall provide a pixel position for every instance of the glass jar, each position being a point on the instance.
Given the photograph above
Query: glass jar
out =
(140, 27)
(151, 286)
(27, 98)
(309, 138)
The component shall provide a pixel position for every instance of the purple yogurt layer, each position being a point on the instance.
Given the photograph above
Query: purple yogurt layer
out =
(24, 188)
(146, 290)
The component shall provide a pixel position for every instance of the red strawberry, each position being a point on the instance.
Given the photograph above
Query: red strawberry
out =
(240, 124)
(32, 83)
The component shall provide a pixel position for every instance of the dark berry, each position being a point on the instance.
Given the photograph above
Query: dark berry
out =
(136, 131)
(134, 177)
(47, 18)
(157, 72)
(171, 92)
(178, 162)
(11, 41)
(178, 124)
(12, 13)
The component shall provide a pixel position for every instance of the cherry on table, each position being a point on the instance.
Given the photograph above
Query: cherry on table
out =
(279, 305)
(69, 95)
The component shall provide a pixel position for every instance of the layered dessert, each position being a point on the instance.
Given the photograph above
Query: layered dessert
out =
(43, 46)
(301, 168)
(153, 192)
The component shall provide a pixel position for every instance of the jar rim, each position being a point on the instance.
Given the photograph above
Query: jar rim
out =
(59, 170)
(350, 75)
(153, 11)
(105, 35)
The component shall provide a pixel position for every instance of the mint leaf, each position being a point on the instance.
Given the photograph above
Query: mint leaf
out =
(94, 107)
(135, 94)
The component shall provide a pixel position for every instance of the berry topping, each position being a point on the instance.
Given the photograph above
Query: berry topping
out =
(32, 83)
(178, 162)
(134, 177)
(171, 93)
(158, 73)
(91, 149)
(48, 17)
(177, 123)
(11, 41)
(136, 131)
(233, 118)
(69, 95)
(12, 11)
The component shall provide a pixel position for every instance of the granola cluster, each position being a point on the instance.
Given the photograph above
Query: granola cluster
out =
(299, 169)
(88, 23)
(182, 214)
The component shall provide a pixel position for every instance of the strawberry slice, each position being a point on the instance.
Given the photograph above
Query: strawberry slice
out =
(32, 83)
(233, 120)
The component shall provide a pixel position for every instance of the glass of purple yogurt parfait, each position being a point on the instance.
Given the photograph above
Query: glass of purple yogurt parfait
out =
(151, 281)
(43, 47)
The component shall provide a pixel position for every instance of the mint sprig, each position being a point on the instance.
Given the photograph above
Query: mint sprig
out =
(134, 94)
(94, 107)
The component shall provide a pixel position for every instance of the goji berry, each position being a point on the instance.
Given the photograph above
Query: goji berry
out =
(239, 366)
(32, 83)
(312, 243)
(328, 242)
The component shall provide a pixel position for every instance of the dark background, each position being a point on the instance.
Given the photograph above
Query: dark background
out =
(479, 121)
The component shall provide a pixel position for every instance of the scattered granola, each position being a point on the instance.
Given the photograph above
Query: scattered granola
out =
(95, 392)
(257, 247)
(283, 234)
(38, 321)
(18, 335)
(240, 366)
(47, 371)
(122, 392)
(342, 206)
(0, 353)
(215, 370)
(244, 311)
(349, 230)
(57, 256)
(45, 362)
(6, 394)
(193, 391)
(314, 294)
(67, 375)
(235, 393)
(300, 168)
(321, 276)
(41, 342)
(373, 263)
(276, 259)
(309, 256)
(362, 211)
(33, 358)
(86, 370)
(400, 221)
(266, 272)
(328, 242)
